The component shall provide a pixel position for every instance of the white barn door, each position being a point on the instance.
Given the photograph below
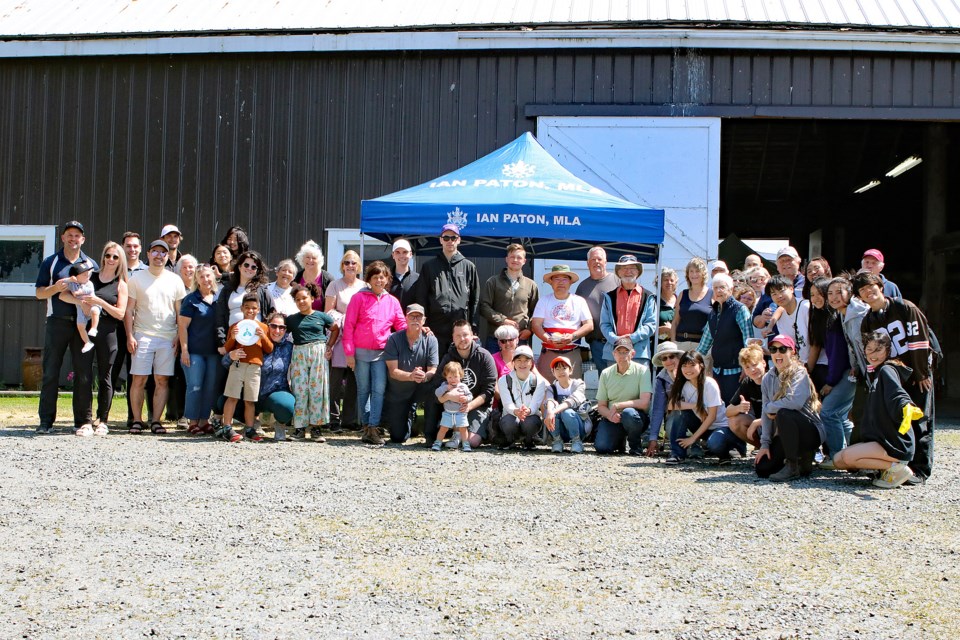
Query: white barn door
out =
(666, 163)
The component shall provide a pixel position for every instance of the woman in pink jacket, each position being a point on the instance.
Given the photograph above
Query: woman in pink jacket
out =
(372, 315)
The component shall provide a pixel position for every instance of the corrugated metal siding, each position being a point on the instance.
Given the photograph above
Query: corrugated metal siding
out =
(64, 17)
(287, 146)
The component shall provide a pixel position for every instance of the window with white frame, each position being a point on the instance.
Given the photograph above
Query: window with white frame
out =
(22, 249)
(339, 241)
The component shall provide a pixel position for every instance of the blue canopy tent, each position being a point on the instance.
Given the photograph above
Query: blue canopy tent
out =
(518, 193)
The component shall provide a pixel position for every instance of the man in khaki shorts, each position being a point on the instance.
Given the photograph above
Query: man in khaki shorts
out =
(151, 326)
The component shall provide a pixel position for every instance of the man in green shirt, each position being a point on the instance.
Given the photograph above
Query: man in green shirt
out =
(623, 400)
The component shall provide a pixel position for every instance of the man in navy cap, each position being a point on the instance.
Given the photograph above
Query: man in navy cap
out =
(448, 288)
(61, 332)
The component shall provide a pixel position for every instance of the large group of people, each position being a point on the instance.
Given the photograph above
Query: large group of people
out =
(808, 368)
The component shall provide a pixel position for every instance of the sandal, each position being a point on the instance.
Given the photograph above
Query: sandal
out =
(157, 428)
(207, 429)
(194, 429)
(136, 427)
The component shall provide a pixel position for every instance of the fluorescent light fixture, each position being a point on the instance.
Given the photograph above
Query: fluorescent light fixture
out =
(906, 165)
(868, 186)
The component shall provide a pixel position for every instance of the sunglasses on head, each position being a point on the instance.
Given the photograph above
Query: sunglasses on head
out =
(780, 349)
(449, 238)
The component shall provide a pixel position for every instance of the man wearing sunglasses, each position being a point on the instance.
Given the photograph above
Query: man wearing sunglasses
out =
(154, 298)
(448, 288)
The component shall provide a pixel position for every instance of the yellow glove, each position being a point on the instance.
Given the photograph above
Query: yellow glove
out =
(910, 413)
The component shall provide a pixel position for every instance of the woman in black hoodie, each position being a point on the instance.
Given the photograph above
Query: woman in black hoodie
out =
(885, 445)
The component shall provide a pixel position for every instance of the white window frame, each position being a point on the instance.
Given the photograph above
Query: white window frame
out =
(337, 242)
(47, 233)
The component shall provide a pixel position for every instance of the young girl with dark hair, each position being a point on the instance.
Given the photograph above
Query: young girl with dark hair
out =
(698, 399)
(887, 439)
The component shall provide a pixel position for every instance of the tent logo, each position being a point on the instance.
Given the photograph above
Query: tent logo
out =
(519, 170)
(457, 217)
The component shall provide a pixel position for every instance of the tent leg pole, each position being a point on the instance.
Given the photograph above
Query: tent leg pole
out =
(656, 334)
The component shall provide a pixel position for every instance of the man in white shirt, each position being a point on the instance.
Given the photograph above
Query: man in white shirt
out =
(151, 324)
(560, 319)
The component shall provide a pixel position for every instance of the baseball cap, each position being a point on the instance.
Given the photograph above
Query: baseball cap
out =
(873, 253)
(80, 267)
(160, 243)
(564, 359)
(523, 350)
(450, 227)
(402, 244)
(73, 224)
(415, 308)
(786, 341)
(170, 228)
(626, 343)
(788, 251)
(719, 264)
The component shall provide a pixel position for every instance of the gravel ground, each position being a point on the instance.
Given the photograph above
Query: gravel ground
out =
(175, 536)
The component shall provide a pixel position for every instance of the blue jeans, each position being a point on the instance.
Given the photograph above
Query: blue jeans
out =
(685, 422)
(596, 354)
(569, 425)
(610, 437)
(833, 412)
(371, 385)
(721, 440)
(202, 389)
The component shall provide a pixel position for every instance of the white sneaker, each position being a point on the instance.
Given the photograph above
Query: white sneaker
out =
(86, 347)
(453, 443)
(896, 475)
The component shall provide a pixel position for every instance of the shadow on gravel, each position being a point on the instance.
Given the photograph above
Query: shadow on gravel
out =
(25, 432)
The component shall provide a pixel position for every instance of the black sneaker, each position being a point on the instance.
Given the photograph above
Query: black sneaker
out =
(44, 429)
(334, 428)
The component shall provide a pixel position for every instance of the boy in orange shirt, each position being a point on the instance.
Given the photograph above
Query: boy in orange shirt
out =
(244, 376)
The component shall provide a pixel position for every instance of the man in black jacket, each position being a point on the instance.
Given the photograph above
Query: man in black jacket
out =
(480, 376)
(448, 288)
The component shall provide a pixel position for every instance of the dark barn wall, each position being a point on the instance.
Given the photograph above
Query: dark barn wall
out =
(287, 145)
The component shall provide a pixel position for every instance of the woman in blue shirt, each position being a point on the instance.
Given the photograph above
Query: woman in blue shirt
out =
(197, 333)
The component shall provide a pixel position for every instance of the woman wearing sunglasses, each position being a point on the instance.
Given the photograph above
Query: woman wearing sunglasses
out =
(249, 276)
(110, 293)
(276, 398)
(667, 357)
(791, 431)
(343, 384)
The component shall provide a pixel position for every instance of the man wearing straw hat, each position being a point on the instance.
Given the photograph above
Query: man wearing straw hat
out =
(560, 319)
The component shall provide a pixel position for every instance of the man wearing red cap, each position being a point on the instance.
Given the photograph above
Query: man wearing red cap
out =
(872, 261)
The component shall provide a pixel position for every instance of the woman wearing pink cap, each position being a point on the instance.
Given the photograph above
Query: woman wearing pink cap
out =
(791, 430)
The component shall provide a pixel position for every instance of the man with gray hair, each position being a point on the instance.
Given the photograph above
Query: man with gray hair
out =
(629, 311)
(593, 290)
